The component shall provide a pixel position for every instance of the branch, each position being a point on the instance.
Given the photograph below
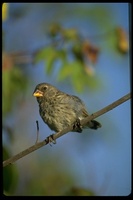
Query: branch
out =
(66, 130)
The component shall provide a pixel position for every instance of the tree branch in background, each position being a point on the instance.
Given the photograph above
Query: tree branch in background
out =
(64, 131)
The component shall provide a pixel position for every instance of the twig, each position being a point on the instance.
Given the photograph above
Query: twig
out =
(66, 130)
(37, 133)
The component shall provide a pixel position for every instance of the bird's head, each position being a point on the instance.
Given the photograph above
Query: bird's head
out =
(44, 90)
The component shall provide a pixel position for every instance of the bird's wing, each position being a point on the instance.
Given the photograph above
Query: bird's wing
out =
(74, 103)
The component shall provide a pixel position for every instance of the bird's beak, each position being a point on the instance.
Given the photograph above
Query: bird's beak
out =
(38, 93)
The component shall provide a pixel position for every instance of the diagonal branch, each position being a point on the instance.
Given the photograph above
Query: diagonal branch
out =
(66, 130)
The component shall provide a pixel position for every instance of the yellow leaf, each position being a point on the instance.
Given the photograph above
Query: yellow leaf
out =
(122, 41)
(4, 11)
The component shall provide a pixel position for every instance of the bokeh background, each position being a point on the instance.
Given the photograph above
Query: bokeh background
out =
(94, 162)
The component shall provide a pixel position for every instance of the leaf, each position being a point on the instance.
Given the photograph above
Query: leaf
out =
(90, 51)
(5, 11)
(122, 41)
(49, 55)
(54, 29)
(70, 34)
(77, 51)
(78, 76)
(43, 54)
(65, 71)
(50, 61)
(76, 73)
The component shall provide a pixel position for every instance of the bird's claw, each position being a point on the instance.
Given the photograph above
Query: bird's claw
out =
(77, 126)
(50, 139)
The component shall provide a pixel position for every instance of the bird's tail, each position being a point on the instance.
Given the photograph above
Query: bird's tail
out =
(93, 124)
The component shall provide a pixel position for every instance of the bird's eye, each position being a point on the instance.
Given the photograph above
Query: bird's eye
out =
(45, 87)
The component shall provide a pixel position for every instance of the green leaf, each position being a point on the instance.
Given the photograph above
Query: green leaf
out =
(79, 78)
(55, 55)
(70, 34)
(50, 55)
(44, 54)
(68, 69)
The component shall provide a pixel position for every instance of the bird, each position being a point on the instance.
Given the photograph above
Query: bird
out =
(60, 110)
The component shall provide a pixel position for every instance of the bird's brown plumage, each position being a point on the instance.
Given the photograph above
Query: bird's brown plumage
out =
(60, 110)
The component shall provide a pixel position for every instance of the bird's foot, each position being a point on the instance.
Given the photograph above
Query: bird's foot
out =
(50, 139)
(77, 126)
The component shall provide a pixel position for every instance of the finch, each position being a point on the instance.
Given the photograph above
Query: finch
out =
(60, 110)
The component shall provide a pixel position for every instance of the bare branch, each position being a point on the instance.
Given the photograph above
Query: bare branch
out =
(66, 130)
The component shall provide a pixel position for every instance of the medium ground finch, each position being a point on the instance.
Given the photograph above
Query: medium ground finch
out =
(60, 110)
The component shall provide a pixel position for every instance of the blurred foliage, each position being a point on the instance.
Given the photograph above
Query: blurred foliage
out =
(10, 175)
(74, 56)
(14, 84)
(54, 180)
(51, 176)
